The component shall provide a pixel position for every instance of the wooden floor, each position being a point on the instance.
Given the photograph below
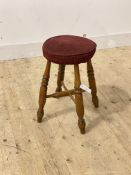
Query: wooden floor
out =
(56, 147)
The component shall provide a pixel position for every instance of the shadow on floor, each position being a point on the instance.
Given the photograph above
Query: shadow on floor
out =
(112, 100)
(59, 112)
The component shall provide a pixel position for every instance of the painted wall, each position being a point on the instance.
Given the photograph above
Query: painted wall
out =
(25, 22)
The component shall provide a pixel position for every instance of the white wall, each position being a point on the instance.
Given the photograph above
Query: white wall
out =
(24, 22)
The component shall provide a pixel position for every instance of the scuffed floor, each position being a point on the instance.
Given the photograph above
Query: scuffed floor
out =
(55, 147)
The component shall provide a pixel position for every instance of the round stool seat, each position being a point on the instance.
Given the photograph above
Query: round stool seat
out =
(68, 49)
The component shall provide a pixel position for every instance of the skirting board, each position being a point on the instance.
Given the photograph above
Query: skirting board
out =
(35, 49)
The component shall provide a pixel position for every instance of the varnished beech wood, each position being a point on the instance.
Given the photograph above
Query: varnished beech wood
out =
(92, 83)
(69, 94)
(60, 77)
(62, 93)
(79, 100)
(43, 92)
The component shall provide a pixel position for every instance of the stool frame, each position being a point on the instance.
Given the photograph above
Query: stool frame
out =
(78, 100)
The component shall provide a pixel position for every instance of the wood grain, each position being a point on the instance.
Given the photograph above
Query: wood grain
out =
(55, 146)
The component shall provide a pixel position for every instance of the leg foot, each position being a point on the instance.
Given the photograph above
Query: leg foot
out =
(40, 115)
(95, 101)
(79, 100)
(92, 83)
(43, 92)
(81, 124)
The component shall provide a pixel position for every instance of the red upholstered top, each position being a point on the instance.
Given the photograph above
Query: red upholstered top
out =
(68, 49)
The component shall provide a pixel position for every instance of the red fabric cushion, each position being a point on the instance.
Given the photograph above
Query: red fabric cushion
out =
(68, 49)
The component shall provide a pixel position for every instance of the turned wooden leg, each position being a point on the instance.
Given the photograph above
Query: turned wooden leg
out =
(60, 77)
(43, 92)
(79, 100)
(92, 83)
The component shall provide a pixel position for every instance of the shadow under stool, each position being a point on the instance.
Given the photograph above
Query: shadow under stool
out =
(68, 50)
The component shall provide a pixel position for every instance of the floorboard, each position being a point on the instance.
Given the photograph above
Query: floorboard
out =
(55, 146)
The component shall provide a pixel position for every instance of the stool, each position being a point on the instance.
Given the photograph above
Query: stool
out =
(68, 50)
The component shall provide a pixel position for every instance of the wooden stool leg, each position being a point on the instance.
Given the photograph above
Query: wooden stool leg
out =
(92, 83)
(60, 77)
(43, 92)
(79, 100)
